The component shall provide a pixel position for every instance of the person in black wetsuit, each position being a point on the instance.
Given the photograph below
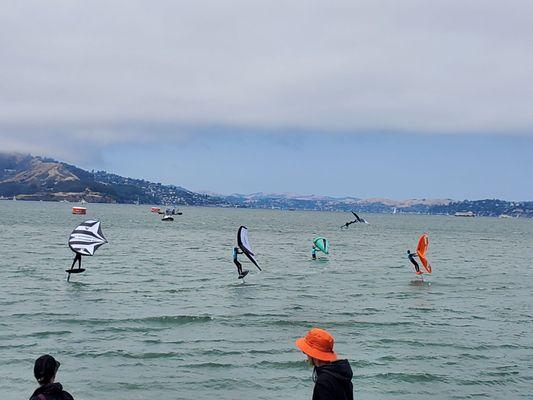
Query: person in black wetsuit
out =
(332, 377)
(45, 370)
(411, 257)
(77, 259)
(236, 252)
(313, 252)
(347, 224)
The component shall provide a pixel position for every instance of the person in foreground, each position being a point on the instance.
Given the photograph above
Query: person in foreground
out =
(45, 370)
(333, 377)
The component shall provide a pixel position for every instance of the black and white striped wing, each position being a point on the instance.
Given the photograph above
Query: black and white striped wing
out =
(86, 238)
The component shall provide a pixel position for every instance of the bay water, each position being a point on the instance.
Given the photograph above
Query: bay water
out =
(160, 314)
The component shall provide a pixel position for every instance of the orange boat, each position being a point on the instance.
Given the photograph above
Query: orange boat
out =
(155, 209)
(79, 210)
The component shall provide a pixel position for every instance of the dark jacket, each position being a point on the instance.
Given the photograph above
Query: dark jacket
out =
(51, 391)
(334, 381)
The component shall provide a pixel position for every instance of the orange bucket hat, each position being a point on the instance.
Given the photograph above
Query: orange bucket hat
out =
(318, 344)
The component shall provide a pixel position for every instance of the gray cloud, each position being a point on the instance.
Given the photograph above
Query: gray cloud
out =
(84, 70)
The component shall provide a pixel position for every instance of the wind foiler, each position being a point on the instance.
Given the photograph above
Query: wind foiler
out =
(244, 245)
(356, 220)
(84, 241)
(421, 250)
(320, 244)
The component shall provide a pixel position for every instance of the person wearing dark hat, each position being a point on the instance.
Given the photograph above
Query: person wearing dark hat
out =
(333, 377)
(45, 370)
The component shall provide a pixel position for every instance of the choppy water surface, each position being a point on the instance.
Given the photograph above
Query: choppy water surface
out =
(160, 314)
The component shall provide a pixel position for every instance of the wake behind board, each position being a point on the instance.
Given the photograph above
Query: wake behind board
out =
(75, 270)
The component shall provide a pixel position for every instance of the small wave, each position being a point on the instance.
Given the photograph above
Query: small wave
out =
(130, 385)
(174, 319)
(48, 315)
(486, 382)
(208, 365)
(500, 373)
(269, 351)
(282, 364)
(122, 329)
(410, 377)
(389, 358)
(362, 363)
(20, 360)
(159, 320)
(44, 334)
(359, 324)
(474, 356)
(18, 346)
(261, 315)
(440, 344)
(135, 356)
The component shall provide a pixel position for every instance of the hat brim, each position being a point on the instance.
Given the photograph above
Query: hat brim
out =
(312, 352)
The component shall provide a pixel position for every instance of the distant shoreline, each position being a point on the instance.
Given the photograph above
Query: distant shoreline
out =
(28, 178)
(247, 207)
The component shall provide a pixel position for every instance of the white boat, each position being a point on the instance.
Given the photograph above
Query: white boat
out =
(465, 214)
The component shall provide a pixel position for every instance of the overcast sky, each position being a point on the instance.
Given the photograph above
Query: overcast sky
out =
(365, 98)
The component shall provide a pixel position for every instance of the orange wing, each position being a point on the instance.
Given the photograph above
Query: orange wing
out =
(421, 249)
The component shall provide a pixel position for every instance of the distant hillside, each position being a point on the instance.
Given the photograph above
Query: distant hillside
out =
(327, 203)
(493, 208)
(488, 208)
(38, 178)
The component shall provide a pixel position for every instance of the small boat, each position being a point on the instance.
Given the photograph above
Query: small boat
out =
(155, 209)
(79, 210)
(170, 211)
(465, 214)
(167, 217)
